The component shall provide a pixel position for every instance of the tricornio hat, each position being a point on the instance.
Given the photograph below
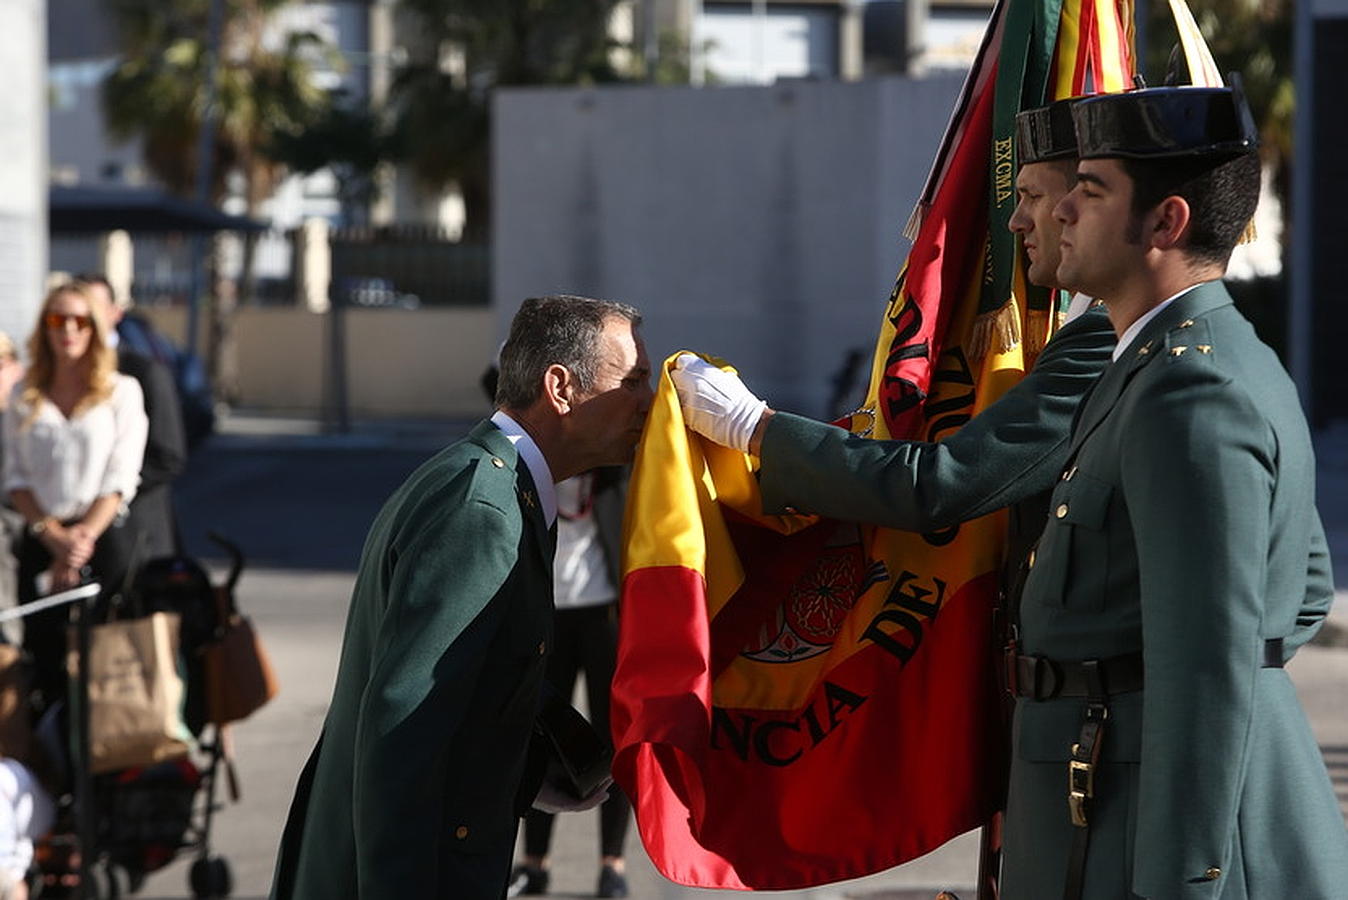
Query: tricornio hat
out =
(1165, 122)
(1046, 133)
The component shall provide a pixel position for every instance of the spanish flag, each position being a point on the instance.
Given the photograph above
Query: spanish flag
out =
(799, 701)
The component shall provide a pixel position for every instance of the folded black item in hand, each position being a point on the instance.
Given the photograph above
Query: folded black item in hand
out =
(578, 757)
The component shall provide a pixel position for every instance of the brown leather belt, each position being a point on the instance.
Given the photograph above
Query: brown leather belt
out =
(1041, 678)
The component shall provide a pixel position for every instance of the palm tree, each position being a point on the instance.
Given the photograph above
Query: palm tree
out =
(443, 110)
(158, 92)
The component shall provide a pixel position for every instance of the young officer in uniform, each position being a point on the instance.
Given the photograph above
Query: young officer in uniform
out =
(1160, 749)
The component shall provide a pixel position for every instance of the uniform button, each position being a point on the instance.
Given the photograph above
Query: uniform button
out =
(498, 462)
(1061, 511)
(1213, 873)
(542, 647)
(461, 832)
(1029, 560)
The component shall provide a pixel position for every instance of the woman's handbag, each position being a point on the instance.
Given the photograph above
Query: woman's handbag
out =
(239, 677)
(15, 733)
(135, 693)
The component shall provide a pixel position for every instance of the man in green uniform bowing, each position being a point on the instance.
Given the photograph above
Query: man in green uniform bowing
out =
(1160, 748)
(419, 776)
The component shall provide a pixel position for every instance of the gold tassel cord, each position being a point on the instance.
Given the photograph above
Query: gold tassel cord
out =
(998, 330)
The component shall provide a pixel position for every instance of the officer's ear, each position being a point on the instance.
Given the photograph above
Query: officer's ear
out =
(1168, 222)
(559, 388)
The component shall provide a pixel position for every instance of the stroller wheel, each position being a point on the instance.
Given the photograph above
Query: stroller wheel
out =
(210, 878)
(108, 882)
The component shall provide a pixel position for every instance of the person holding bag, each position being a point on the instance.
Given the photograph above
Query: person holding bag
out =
(74, 437)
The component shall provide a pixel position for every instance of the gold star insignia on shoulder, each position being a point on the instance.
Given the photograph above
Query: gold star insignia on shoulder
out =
(528, 498)
(1204, 348)
(1144, 349)
(1187, 323)
(1178, 350)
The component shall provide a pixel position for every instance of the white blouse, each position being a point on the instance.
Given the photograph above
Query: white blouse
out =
(70, 463)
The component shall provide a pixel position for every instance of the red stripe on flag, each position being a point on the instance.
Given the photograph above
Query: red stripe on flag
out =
(706, 782)
(941, 265)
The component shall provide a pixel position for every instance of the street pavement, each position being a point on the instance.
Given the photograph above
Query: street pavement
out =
(299, 502)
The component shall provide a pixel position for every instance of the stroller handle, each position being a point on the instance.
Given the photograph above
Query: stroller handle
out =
(236, 558)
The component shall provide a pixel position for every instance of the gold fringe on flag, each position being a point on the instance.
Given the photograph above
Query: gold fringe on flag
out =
(999, 330)
(1250, 234)
(1037, 329)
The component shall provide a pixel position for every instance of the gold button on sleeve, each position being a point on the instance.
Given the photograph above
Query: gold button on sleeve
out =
(1061, 511)
(498, 462)
(1213, 873)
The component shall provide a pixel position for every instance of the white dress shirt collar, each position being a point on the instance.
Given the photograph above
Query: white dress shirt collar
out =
(533, 458)
(1135, 329)
(1080, 303)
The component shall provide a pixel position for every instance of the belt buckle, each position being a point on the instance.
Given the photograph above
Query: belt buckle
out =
(1047, 679)
(1080, 788)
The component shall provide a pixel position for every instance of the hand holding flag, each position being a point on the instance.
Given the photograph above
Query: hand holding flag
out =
(715, 403)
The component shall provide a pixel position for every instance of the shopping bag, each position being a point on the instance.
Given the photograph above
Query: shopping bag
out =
(238, 674)
(135, 693)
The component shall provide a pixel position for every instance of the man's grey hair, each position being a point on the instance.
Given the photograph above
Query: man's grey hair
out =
(559, 329)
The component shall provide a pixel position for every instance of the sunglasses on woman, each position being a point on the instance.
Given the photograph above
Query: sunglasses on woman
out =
(57, 321)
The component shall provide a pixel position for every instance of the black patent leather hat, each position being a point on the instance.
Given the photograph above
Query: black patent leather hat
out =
(1164, 122)
(1046, 133)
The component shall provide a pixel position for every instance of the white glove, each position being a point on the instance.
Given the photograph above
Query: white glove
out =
(554, 799)
(716, 404)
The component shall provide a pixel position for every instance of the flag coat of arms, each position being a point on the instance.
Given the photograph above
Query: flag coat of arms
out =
(799, 701)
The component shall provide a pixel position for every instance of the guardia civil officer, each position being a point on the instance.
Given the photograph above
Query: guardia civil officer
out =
(1160, 748)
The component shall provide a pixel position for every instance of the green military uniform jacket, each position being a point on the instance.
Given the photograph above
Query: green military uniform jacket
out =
(412, 789)
(1011, 451)
(1184, 528)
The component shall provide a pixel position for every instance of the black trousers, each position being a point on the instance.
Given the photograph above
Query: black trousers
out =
(44, 633)
(585, 639)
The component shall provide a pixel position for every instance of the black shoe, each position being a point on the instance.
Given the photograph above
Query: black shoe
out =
(611, 883)
(529, 881)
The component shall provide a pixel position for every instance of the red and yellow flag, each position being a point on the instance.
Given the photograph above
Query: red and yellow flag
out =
(799, 701)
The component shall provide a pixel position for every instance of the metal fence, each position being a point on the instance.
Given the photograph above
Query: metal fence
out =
(408, 266)
(397, 266)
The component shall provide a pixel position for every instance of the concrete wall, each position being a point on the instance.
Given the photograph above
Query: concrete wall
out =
(421, 363)
(762, 224)
(23, 173)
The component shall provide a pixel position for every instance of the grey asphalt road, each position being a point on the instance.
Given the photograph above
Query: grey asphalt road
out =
(299, 504)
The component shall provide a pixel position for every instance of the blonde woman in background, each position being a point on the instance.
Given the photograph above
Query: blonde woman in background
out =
(74, 437)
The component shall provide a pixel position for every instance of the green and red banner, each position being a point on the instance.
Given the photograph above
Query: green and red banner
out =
(799, 701)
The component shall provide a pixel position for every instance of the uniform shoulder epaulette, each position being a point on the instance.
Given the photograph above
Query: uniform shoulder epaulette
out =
(1190, 339)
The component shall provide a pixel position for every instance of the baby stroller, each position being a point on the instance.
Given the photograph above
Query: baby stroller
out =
(143, 818)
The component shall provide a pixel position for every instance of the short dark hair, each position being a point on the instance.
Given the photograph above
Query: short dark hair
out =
(559, 329)
(1222, 198)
